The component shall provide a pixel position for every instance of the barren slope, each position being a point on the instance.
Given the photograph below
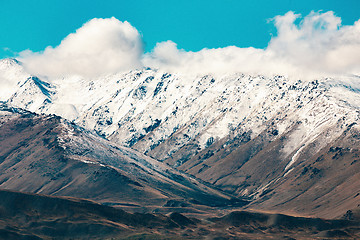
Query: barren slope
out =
(32, 216)
(46, 154)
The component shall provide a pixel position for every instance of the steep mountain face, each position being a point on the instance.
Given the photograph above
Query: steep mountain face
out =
(271, 140)
(46, 154)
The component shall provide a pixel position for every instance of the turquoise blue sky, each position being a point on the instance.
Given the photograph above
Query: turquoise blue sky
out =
(192, 24)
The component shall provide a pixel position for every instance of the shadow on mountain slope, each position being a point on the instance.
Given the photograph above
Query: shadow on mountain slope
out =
(34, 216)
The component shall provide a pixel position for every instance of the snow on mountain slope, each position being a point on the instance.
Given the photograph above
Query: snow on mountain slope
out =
(142, 109)
(203, 125)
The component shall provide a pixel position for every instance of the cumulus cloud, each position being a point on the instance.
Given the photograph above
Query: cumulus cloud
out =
(317, 46)
(218, 61)
(100, 46)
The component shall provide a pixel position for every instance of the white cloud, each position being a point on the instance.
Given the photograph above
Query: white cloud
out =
(318, 46)
(219, 61)
(100, 46)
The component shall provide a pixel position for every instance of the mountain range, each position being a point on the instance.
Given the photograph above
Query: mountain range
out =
(148, 140)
